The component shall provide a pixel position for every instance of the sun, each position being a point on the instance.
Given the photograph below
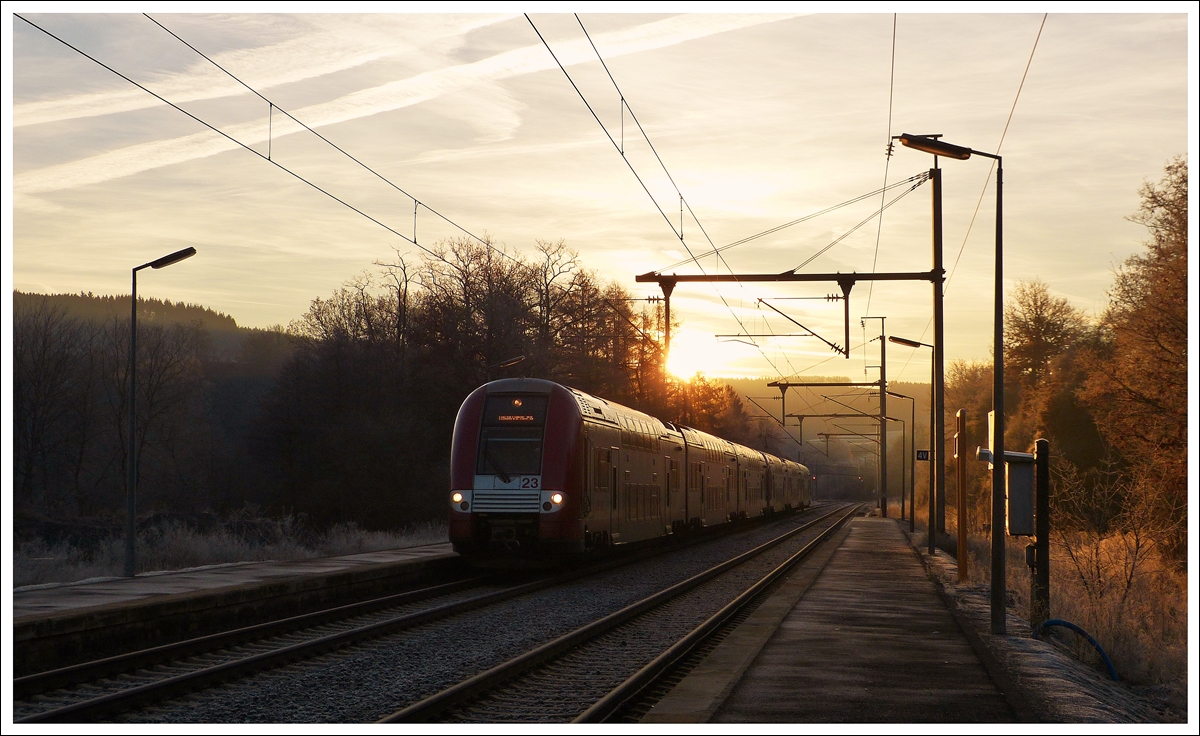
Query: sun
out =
(693, 352)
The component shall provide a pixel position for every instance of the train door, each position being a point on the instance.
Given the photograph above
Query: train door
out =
(743, 486)
(693, 476)
(591, 485)
(619, 492)
(726, 501)
(597, 501)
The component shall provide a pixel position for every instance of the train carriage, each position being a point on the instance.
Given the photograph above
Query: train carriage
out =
(540, 470)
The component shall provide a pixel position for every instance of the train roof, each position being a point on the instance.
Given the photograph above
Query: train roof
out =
(599, 409)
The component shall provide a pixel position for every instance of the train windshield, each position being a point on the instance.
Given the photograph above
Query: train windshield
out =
(510, 442)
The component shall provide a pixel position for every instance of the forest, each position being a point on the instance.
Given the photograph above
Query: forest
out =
(342, 417)
(1110, 393)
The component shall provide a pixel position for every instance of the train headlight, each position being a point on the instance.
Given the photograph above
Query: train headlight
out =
(456, 497)
(556, 498)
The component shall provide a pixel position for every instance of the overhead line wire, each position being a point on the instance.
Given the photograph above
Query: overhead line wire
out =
(635, 118)
(335, 146)
(999, 145)
(609, 135)
(887, 161)
(682, 200)
(870, 217)
(797, 221)
(987, 181)
(232, 139)
(666, 218)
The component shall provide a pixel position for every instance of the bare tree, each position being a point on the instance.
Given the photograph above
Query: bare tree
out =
(43, 368)
(1137, 384)
(1038, 327)
(551, 283)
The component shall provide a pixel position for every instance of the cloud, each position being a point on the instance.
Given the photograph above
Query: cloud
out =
(341, 43)
(383, 98)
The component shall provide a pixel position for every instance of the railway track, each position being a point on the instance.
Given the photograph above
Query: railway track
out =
(98, 690)
(600, 670)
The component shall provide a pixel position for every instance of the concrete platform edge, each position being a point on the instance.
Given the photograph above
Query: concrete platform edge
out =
(1004, 681)
(700, 695)
(41, 643)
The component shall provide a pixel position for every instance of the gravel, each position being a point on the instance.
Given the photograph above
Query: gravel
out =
(367, 681)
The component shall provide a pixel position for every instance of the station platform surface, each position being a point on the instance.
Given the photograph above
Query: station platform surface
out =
(864, 637)
(41, 601)
(59, 625)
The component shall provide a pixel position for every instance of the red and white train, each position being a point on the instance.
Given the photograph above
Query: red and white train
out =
(541, 469)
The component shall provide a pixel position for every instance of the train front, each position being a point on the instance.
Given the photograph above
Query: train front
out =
(516, 473)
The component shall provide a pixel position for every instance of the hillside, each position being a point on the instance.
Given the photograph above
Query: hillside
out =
(225, 337)
(99, 307)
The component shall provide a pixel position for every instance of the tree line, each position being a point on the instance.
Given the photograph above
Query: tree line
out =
(346, 414)
(1110, 393)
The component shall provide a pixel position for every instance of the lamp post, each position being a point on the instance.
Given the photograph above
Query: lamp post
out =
(131, 477)
(935, 453)
(912, 469)
(883, 464)
(940, 148)
(904, 452)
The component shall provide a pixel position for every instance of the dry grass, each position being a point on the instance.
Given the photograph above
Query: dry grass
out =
(174, 546)
(1117, 590)
(1144, 632)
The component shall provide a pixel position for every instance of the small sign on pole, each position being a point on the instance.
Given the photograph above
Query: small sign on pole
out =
(923, 455)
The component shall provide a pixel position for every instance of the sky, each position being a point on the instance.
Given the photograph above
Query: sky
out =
(759, 119)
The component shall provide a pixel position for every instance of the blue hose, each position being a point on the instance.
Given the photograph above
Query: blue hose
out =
(1112, 671)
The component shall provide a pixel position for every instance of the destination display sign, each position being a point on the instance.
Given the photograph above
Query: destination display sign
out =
(519, 411)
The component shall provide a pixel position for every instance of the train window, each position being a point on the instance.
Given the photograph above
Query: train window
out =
(603, 463)
(510, 451)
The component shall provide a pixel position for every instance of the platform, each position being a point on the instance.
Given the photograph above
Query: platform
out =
(858, 635)
(54, 625)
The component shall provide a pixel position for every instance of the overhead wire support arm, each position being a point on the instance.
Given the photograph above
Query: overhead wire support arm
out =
(836, 348)
(845, 280)
(848, 278)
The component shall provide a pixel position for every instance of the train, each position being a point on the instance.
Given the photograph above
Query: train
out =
(543, 471)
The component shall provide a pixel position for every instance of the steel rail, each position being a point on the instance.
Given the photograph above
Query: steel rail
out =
(131, 698)
(632, 689)
(30, 685)
(428, 709)
(93, 709)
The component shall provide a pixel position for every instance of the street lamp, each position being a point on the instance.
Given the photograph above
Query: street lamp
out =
(940, 148)
(912, 474)
(935, 452)
(131, 478)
